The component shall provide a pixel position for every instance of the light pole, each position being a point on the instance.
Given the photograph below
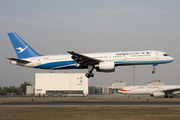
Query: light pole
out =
(134, 75)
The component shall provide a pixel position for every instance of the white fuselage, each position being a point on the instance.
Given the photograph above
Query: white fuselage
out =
(145, 90)
(119, 58)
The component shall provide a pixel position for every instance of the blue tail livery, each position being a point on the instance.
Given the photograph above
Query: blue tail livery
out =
(22, 49)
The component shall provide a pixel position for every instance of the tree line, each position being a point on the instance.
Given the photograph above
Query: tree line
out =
(13, 89)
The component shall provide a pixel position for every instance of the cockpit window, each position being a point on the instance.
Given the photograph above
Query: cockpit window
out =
(166, 55)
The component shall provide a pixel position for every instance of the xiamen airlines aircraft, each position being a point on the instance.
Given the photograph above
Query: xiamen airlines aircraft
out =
(154, 90)
(102, 62)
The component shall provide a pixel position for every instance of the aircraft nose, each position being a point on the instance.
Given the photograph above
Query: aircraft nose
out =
(171, 59)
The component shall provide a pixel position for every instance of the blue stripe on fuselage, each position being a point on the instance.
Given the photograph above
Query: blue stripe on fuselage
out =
(58, 65)
(119, 63)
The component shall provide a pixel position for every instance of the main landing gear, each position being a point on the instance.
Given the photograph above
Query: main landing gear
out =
(90, 69)
(154, 67)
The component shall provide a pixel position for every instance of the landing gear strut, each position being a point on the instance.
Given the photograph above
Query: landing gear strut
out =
(154, 67)
(90, 69)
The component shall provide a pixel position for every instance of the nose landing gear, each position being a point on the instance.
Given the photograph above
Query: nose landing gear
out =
(154, 67)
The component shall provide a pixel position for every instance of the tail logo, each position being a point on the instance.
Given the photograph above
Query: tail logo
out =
(21, 49)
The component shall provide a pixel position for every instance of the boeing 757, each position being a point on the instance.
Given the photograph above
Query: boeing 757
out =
(153, 91)
(102, 62)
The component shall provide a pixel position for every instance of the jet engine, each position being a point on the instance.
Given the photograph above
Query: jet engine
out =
(105, 66)
(158, 94)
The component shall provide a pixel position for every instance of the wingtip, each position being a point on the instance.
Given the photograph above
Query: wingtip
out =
(11, 33)
(70, 51)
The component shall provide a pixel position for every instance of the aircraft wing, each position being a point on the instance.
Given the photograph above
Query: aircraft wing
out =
(82, 59)
(19, 60)
(171, 90)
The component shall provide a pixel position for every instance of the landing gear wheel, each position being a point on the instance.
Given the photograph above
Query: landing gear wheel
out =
(87, 75)
(91, 74)
(153, 72)
(90, 69)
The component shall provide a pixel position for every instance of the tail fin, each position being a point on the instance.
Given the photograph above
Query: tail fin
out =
(22, 49)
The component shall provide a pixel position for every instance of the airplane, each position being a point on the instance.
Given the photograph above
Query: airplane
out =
(102, 62)
(153, 90)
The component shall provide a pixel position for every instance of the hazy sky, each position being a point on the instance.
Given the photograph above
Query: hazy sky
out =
(85, 26)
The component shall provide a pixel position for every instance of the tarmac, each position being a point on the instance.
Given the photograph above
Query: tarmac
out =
(148, 101)
(94, 103)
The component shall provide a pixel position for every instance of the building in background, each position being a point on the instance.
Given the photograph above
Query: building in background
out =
(61, 84)
(30, 90)
(156, 82)
(102, 90)
(72, 84)
(98, 90)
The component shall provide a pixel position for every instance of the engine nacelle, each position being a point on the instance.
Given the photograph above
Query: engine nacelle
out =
(105, 66)
(158, 94)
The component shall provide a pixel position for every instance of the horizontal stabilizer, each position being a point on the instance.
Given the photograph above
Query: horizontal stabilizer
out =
(18, 60)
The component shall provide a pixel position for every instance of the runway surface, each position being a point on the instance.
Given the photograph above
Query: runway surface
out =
(87, 103)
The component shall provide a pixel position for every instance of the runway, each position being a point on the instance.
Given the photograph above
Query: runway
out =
(94, 103)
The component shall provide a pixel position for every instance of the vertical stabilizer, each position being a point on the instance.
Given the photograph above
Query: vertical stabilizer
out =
(22, 49)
